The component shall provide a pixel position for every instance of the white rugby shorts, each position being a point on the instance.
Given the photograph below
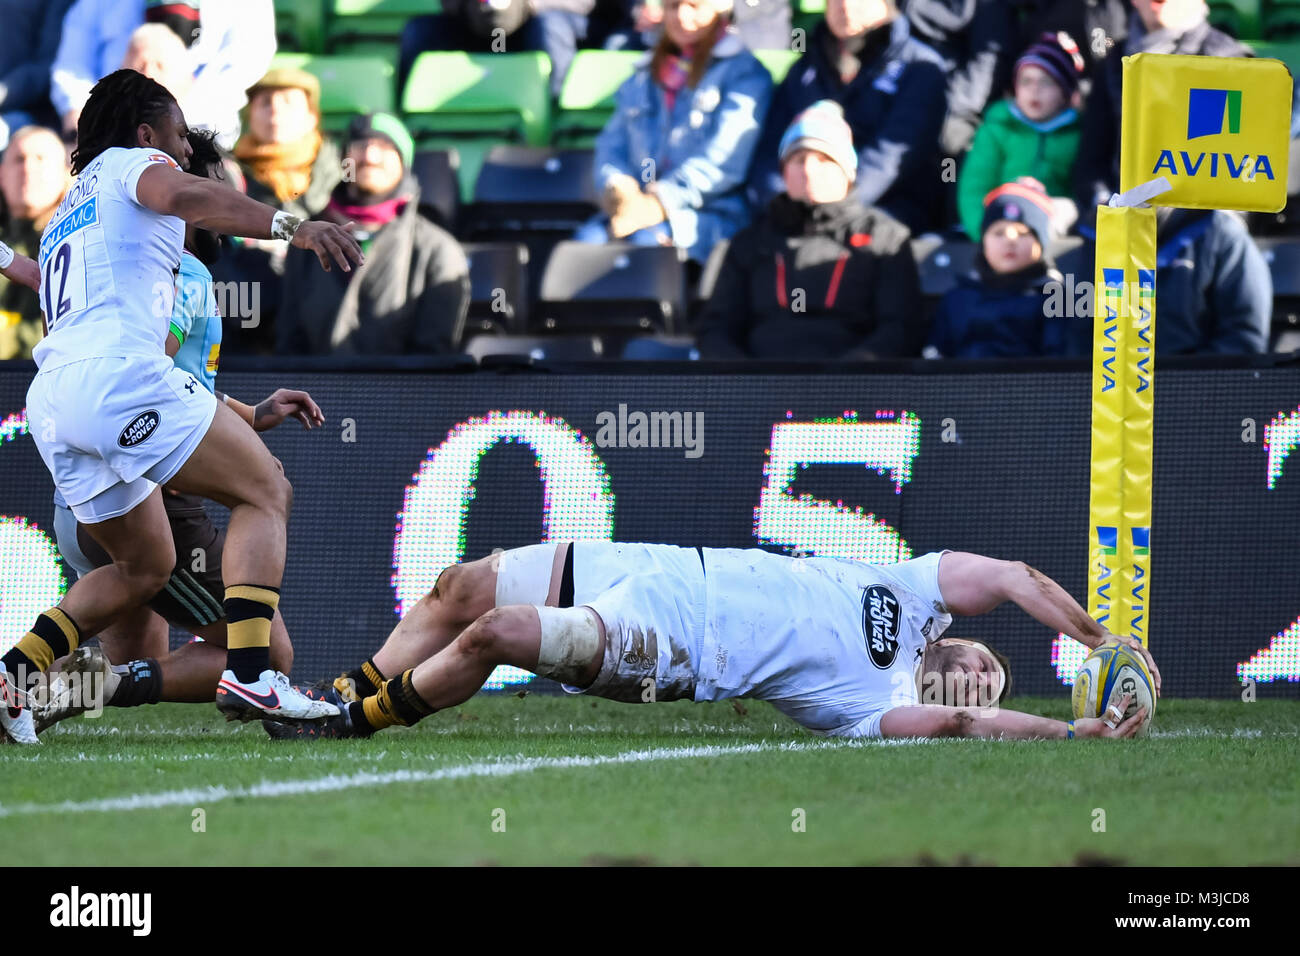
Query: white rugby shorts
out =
(112, 429)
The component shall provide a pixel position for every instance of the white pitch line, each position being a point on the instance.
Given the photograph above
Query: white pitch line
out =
(198, 796)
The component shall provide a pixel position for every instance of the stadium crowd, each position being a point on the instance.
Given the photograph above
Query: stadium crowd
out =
(920, 177)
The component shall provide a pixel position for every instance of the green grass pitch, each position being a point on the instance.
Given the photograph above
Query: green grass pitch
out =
(544, 780)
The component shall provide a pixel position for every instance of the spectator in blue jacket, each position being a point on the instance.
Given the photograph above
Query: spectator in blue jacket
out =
(1000, 311)
(27, 46)
(892, 89)
(1214, 292)
(671, 162)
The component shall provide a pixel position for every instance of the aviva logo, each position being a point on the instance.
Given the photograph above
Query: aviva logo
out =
(1207, 110)
(1213, 113)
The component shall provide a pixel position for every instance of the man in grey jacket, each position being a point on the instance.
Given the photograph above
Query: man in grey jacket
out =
(412, 292)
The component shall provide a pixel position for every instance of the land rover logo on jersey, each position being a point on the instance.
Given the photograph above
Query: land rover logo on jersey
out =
(880, 618)
(141, 427)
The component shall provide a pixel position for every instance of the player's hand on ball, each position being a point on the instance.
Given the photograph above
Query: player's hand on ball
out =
(330, 242)
(1111, 724)
(283, 403)
(1143, 652)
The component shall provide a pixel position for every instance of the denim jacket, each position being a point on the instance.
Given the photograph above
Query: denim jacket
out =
(698, 154)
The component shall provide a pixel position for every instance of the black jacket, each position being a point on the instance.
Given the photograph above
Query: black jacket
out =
(803, 281)
(895, 108)
(1096, 169)
(977, 40)
(411, 295)
(1097, 26)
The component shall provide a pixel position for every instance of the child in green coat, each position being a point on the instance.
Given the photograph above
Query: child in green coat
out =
(1034, 133)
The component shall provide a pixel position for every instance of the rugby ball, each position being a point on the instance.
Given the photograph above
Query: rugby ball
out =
(1107, 674)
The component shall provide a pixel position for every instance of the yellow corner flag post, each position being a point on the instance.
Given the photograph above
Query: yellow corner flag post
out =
(1197, 132)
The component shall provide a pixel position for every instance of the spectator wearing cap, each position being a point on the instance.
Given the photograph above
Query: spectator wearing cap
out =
(1035, 133)
(818, 275)
(1001, 309)
(671, 162)
(891, 86)
(1155, 26)
(285, 162)
(411, 294)
(27, 46)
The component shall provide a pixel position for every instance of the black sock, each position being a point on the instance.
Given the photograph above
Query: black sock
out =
(141, 684)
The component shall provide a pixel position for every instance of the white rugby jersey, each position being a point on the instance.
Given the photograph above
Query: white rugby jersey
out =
(832, 643)
(108, 265)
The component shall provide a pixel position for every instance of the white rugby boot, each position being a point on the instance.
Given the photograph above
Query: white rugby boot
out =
(272, 697)
(15, 716)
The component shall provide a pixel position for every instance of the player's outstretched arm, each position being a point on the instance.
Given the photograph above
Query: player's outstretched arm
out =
(932, 720)
(973, 584)
(281, 404)
(17, 267)
(216, 207)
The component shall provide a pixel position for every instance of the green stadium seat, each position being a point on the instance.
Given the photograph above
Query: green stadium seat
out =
(587, 98)
(1281, 20)
(372, 26)
(778, 62)
(481, 95)
(1288, 53)
(1240, 18)
(300, 25)
(348, 84)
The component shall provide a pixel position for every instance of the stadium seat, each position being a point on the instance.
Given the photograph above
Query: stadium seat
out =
(510, 350)
(587, 99)
(778, 62)
(300, 25)
(708, 278)
(532, 189)
(612, 288)
(484, 95)
(661, 348)
(1239, 18)
(372, 26)
(435, 172)
(1288, 53)
(348, 84)
(498, 279)
(1280, 20)
(1283, 258)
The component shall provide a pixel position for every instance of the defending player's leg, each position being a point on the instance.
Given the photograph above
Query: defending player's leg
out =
(233, 467)
(566, 644)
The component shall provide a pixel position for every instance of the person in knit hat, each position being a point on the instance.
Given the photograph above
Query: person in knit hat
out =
(863, 55)
(1000, 309)
(818, 275)
(410, 295)
(1034, 132)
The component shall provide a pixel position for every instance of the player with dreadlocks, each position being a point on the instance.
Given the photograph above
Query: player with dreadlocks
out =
(114, 418)
(130, 665)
